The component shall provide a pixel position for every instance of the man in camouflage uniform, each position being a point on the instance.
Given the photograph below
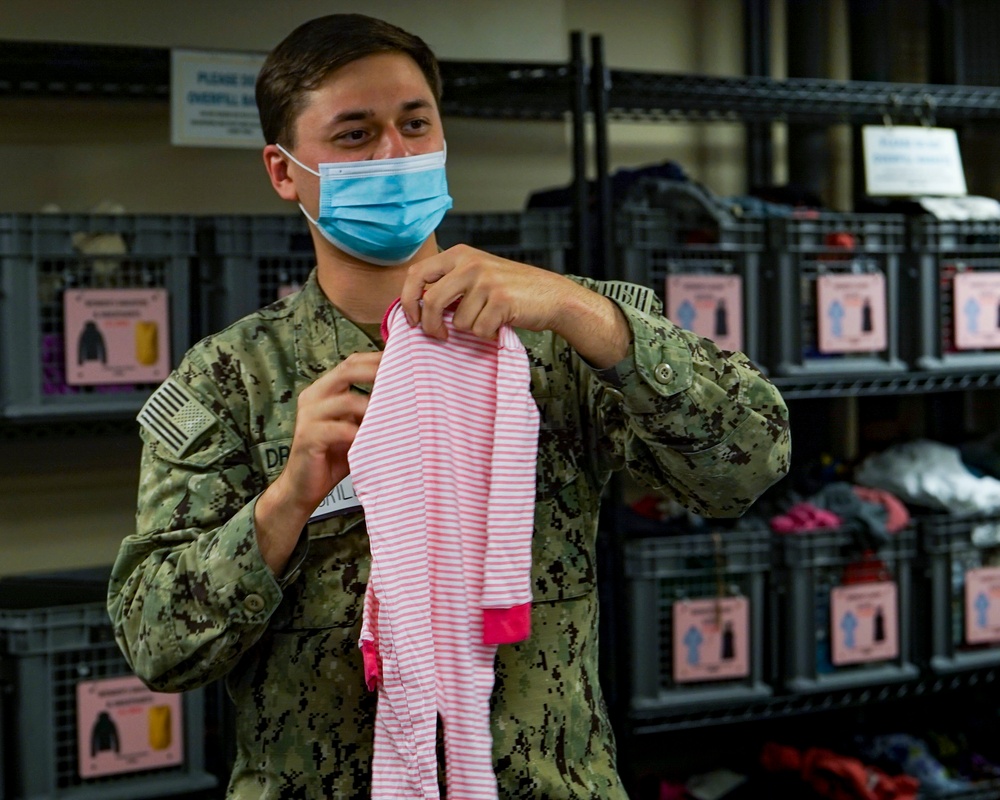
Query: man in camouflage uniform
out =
(227, 577)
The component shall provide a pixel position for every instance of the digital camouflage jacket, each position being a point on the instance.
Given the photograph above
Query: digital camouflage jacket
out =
(192, 601)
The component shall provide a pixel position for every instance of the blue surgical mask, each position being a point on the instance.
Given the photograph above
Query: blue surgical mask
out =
(380, 210)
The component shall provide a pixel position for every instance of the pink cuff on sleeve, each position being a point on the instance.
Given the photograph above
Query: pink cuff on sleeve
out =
(384, 327)
(370, 658)
(506, 625)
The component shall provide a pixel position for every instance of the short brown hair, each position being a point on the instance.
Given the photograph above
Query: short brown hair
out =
(316, 48)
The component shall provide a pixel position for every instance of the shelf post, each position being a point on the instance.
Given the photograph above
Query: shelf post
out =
(581, 213)
(600, 86)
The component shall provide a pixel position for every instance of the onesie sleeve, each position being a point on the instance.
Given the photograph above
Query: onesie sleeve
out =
(506, 598)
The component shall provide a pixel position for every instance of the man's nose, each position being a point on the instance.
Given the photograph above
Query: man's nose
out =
(392, 144)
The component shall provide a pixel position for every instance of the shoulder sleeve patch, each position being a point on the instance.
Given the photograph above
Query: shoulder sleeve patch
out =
(638, 297)
(175, 418)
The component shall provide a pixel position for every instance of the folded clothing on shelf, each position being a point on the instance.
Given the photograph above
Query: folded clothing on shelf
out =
(837, 776)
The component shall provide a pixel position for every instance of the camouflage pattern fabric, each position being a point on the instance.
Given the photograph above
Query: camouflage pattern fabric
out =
(192, 600)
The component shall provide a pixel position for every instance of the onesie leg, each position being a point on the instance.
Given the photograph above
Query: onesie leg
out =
(387, 465)
(467, 735)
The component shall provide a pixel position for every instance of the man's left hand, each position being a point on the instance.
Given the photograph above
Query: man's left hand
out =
(491, 291)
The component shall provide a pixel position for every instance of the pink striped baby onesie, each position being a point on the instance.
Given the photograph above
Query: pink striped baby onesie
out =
(444, 465)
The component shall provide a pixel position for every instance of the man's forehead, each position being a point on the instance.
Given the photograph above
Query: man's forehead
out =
(377, 69)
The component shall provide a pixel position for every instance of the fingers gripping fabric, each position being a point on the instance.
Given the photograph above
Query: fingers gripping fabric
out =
(444, 465)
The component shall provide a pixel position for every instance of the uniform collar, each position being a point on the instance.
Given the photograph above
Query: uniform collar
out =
(323, 336)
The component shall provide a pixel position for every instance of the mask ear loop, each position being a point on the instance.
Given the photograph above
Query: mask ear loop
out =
(314, 172)
(293, 158)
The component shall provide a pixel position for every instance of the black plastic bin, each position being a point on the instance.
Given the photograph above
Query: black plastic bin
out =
(57, 654)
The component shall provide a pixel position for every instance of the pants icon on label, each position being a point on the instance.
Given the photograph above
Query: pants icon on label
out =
(147, 349)
(159, 727)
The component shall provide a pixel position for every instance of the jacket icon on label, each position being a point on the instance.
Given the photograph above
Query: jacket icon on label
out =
(104, 735)
(91, 345)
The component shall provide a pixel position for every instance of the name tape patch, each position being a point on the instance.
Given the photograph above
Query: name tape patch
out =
(340, 500)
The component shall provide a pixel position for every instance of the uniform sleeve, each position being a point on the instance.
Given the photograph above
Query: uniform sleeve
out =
(189, 591)
(696, 423)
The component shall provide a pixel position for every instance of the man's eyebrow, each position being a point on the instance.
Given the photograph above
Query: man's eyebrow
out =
(415, 105)
(354, 115)
(358, 114)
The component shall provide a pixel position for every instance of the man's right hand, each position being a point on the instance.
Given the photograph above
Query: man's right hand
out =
(327, 418)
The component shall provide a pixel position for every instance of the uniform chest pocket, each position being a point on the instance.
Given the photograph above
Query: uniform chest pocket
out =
(330, 590)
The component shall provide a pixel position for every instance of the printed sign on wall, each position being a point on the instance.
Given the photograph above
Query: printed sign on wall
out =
(850, 313)
(122, 726)
(982, 605)
(212, 102)
(709, 305)
(977, 310)
(116, 336)
(864, 622)
(711, 639)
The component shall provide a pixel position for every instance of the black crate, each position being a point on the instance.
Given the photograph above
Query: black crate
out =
(248, 261)
(951, 547)
(808, 567)
(694, 242)
(56, 639)
(41, 259)
(941, 252)
(808, 248)
(665, 572)
(540, 237)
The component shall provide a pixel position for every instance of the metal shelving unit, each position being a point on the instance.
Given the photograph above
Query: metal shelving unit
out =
(502, 90)
(799, 388)
(543, 91)
(61, 430)
(472, 88)
(650, 96)
(786, 706)
(633, 96)
(51, 69)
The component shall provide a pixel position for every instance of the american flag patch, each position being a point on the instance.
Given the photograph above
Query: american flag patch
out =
(175, 418)
(630, 294)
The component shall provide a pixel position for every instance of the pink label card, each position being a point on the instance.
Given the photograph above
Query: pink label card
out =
(288, 288)
(850, 313)
(122, 726)
(977, 310)
(711, 639)
(864, 622)
(708, 305)
(982, 605)
(116, 336)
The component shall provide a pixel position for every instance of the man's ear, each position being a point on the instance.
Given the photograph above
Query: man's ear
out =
(276, 164)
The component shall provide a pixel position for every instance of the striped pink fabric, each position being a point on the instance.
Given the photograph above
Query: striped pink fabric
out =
(444, 465)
